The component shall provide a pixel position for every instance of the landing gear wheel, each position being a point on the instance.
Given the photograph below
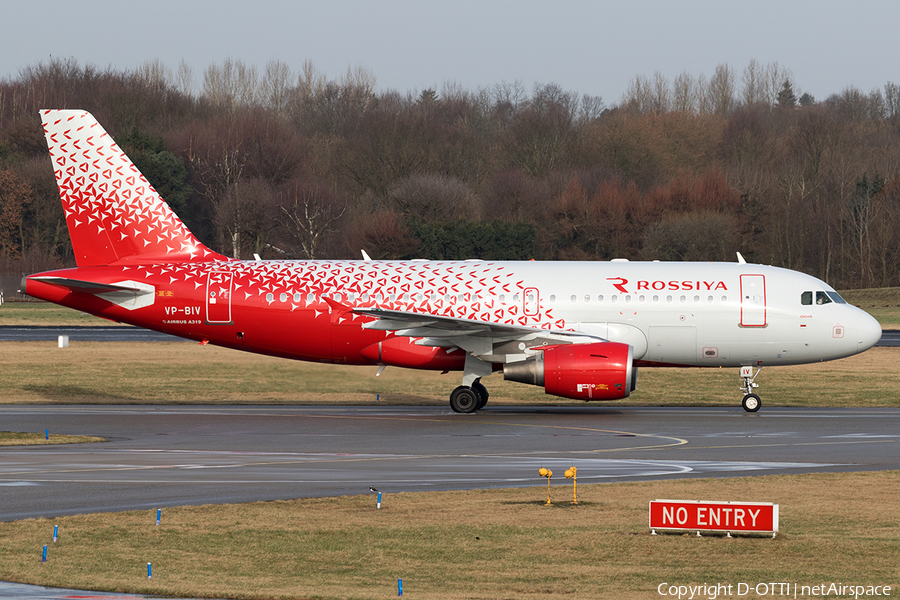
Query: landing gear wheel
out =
(482, 392)
(751, 403)
(464, 400)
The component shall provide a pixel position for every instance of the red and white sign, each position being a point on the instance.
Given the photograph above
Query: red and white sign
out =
(694, 515)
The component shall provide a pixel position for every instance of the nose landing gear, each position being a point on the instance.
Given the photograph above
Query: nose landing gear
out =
(751, 401)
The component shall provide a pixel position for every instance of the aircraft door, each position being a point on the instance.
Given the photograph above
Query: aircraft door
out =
(532, 302)
(218, 297)
(753, 300)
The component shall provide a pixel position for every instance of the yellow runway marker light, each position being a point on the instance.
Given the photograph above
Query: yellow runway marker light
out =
(571, 473)
(548, 474)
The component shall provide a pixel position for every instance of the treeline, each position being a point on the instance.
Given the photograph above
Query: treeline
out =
(296, 165)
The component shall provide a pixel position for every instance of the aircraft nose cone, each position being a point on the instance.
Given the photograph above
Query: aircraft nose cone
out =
(868, 331)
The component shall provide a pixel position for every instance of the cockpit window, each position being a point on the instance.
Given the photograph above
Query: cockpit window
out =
(806, 298)
(822, 298)
(836, 297)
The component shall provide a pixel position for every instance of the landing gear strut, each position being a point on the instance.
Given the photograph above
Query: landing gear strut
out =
(751, 401)
(471, 395)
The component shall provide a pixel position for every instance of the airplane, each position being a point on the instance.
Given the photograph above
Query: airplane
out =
(578, 329)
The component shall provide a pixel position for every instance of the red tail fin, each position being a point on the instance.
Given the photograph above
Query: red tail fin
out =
(113, 214)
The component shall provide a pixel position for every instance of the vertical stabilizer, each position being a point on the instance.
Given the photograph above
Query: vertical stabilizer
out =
(113, 214)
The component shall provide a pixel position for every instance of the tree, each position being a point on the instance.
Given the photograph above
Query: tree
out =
(488, 240)
(432, 197)
(383, 235)
(695, 236)
(246, 217)
(308, 212)
(786, 97)
(163, 170)
(861, 214)
(14, 197)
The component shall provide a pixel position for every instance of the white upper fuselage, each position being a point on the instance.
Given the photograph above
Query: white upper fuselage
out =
(705, 314)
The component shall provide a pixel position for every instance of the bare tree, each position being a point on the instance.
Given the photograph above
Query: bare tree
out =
(684, 93)
(155, 75)
(754, 84)
(185, 78)
(231, 85)
(721, 90)
(892, 100)
(276, 86)
(435, 198)
(246, 216)
(308, 212)
(774, 77)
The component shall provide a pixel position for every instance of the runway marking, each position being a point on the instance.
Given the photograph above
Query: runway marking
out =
(795, 444)
(676, 442)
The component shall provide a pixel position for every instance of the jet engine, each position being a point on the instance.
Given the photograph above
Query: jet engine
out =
(599, 371)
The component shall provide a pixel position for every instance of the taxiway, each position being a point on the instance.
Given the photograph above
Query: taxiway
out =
(160, 456)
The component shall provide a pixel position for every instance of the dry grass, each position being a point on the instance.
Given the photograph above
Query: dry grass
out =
(36, 313)
(17, 438)
(480, 544)
(187, 373)
(881, 303)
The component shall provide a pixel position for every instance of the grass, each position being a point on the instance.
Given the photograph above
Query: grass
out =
(36, 313)
(19, 438)
(187, 373)
(470, 545)
(881, 303)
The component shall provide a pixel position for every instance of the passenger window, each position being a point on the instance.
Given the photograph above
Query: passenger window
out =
(806, 298)
(822, 298)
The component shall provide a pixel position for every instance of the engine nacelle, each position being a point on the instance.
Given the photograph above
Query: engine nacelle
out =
(601, 371)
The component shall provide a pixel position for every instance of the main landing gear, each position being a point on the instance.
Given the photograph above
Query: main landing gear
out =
(751, 401)
(468, 399)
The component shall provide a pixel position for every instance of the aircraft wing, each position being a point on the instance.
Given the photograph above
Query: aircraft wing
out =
(491, 342)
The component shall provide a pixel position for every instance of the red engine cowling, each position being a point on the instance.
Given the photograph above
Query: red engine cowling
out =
(601, 371)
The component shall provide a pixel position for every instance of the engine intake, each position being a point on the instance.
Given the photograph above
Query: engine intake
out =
(601, 371)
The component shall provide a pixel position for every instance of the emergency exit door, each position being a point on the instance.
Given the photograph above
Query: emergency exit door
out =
(218, 297)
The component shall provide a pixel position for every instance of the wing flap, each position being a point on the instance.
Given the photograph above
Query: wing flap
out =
(490, 342)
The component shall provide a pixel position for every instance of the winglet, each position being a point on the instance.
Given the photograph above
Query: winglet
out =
(741, 260)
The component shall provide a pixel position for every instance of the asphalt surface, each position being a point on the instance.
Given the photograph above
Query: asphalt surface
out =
(162, 456)
(115, 333)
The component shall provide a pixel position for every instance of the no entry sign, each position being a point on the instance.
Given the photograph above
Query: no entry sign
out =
(697, 515)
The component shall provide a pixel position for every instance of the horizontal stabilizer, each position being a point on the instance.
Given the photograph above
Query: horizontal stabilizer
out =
(130, 295)
(88, 287)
